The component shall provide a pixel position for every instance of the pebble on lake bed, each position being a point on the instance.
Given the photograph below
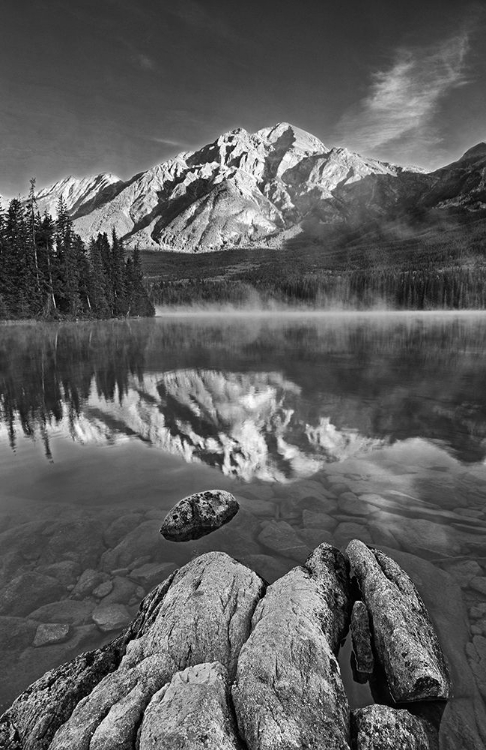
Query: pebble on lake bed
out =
(198, 515)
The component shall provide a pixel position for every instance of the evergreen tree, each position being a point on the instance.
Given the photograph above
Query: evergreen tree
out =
(120, 305)
(47, 261)
(137, 296)
(98, 289)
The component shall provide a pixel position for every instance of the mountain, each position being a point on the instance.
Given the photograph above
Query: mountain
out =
(79, 195)
(262, 190)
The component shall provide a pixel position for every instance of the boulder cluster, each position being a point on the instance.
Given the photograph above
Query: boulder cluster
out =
(216, 658)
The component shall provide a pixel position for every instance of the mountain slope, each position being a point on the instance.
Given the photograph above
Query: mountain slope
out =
(263, 190)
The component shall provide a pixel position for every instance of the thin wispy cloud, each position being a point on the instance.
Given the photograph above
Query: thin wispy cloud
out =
(404, 98)
(167, 142)
(144, 61)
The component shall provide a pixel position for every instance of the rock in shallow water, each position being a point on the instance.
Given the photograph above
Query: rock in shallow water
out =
(198, 515)
(404, 638)
(48, 633)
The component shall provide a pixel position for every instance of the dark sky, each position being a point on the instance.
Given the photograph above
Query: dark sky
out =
(120, 85)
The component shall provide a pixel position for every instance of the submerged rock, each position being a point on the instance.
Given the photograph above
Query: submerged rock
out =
(405, 641)
(383, 728)
(49, 633)
(111, 616)
(198, 515)
(288, 691)
(191, 712)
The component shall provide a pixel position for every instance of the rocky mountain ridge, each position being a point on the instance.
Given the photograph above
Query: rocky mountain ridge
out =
(260, 190)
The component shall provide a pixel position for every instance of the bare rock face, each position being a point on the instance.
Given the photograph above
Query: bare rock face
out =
(384, 728)
(191, 712)
(198, 515)
(288, 692)
(404, 638)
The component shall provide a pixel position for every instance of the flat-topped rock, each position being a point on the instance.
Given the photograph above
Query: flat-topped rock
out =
(199, 514)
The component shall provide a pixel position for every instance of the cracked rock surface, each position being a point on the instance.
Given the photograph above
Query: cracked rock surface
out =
(288, 692)
(405, 640)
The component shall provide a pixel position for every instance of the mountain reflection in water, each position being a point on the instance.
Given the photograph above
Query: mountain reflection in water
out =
(267, 399)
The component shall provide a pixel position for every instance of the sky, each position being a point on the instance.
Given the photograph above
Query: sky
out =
(121, 85)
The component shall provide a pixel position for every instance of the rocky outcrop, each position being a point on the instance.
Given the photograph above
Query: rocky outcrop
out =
(404, 638)
(288, 692)
(200, 614)
(384, 728)
(198, 515)
(215, 659)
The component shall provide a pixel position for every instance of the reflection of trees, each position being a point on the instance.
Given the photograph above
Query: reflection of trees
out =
(47, 371)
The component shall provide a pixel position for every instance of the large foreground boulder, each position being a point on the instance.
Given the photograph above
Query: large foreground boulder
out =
(404, 638)
(288, 692)
(200, 614)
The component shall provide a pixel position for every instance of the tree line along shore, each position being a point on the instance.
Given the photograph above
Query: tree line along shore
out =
(47, 272)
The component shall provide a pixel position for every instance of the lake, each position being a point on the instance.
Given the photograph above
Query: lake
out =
(325, 427)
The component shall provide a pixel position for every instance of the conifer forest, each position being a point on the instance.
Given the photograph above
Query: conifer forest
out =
(47, 272)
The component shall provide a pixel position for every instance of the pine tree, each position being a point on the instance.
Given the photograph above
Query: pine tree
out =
(47, 261)
(120, 304)
(18, 270)
(98, 289)
(69, 250)
(138, 299)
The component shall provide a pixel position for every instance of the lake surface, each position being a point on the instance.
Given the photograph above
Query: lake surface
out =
(326, 428)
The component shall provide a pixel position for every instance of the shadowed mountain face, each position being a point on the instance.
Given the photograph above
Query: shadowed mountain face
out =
(275, 401)
(262, 190)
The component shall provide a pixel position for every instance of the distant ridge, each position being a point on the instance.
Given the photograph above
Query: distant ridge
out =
(261, 190)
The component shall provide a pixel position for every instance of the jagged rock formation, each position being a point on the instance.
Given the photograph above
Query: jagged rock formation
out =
(166, 680)
(80, 195)
(258, 189)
